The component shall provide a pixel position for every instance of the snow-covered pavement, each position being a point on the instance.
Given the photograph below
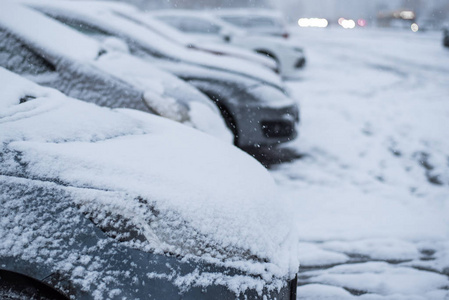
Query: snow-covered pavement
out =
(371, 193)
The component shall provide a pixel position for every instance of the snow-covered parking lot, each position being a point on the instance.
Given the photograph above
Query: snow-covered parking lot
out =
(371, 193)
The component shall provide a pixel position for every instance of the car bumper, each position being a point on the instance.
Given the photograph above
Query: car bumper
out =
(265, 126)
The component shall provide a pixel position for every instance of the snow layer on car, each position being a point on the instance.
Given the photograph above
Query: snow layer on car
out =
(101, 15)
(215, 202)
(164, 93)
(83, 49)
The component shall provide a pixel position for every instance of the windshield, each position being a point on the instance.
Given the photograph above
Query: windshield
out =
(191, 25)
(254, 22)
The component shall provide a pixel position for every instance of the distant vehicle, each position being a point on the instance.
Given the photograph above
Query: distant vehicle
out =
(446, 37)
(175, 35)
(396, 18)
(256, 21)
(207, 27)
(99, 203)
(254, 105)
(54, 55)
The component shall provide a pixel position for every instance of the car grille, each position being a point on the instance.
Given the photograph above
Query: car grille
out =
(300, 63)
(273, 129)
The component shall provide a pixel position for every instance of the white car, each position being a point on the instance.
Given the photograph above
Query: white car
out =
(207, 27)
(173, 34)
(257, 21)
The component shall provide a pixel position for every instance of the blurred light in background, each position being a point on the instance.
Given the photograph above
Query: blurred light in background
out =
(407, 15)
(361, 22)
(313, 22)
(346, 24)
(415, 27)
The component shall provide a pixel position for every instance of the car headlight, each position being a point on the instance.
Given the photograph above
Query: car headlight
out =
(167, 107)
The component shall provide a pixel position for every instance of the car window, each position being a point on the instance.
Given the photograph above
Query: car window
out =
(82, 27)
(19, 58)
(192, 25)
(253, 22)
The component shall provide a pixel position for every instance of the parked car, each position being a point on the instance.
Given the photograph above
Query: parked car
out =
(256, 21)
(99, 203)
(254, 105)
(289, 56)
(175, 35)
(446, 37)
(54, 55)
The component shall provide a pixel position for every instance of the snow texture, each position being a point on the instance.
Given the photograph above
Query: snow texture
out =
(372, 189)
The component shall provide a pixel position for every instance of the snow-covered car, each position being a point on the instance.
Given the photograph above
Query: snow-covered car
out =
(254, 105)
(178, 37)
(257, 21)
(55, 55)
(205, 26)
(100, 203)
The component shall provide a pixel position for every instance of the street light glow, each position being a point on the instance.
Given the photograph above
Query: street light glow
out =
(313, 22)
(361, 22)
(346, 24)
(407, 15)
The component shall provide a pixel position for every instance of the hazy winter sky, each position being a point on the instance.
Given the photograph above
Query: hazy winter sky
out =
(352, 8)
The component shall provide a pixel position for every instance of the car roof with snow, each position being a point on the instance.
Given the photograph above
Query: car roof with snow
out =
(219, 203)
(99, 14)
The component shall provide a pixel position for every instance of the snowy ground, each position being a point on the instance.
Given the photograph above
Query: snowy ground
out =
(372, 190)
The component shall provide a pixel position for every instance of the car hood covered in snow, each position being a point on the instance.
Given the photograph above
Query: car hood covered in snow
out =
(203, 198)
